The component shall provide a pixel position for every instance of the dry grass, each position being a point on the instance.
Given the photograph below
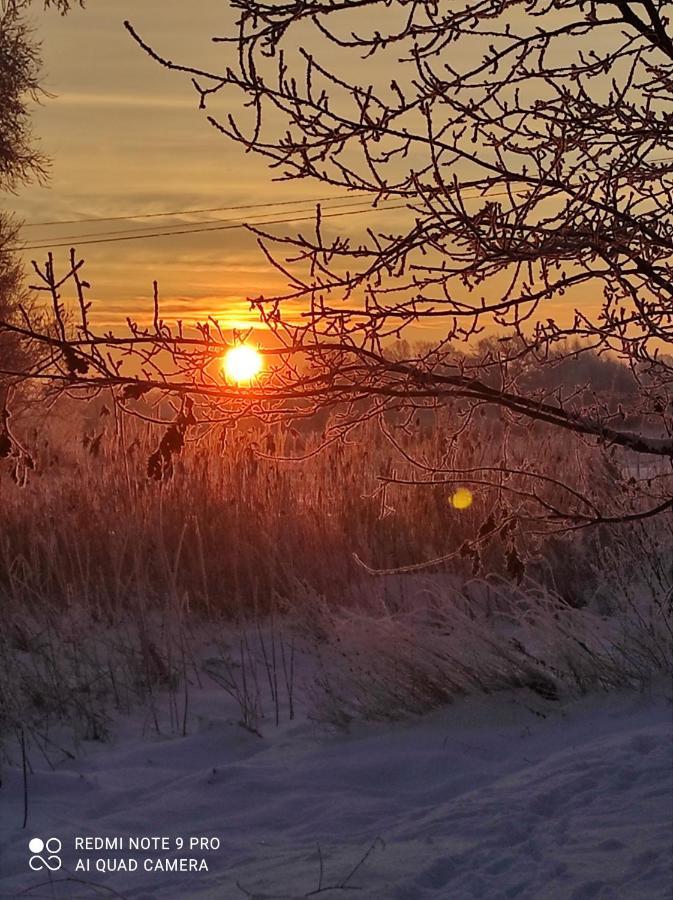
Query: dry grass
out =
(232, 529)
(483, 638)
(104, 573)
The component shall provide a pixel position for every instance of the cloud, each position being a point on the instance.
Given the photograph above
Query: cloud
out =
(98, 99)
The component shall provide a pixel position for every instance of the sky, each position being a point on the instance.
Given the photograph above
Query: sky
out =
(125, 136)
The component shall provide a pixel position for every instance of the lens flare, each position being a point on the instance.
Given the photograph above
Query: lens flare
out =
(461, 498)
(241, 364)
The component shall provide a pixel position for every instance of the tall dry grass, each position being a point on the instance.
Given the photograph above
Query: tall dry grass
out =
(105, 573)
(234, 529)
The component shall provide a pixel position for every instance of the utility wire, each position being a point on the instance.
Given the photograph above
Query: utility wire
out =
(190, 212)
(125, 235)
(103, 237)
(124, 232)
(100, 238)
(142, 237)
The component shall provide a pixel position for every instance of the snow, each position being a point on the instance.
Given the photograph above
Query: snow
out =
(505, 796)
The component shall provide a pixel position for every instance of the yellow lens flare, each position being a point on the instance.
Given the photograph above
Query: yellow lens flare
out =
(461, 498)
(242, 363)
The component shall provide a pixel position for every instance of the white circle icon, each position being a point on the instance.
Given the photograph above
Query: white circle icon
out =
(35, 845)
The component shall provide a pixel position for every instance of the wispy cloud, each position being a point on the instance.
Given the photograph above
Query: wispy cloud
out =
(97, 99)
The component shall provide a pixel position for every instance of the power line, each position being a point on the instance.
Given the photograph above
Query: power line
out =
(353, 209)
(134, 234)
(193, 225)
(190, 212)
(124, 235)
(90, 239)
(142, 237)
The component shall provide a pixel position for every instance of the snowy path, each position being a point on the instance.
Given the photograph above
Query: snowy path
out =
(485, 800)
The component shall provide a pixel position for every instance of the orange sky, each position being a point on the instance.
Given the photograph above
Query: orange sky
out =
(125, 136)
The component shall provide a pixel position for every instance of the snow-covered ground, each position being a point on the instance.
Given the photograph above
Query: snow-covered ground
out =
(495, 797)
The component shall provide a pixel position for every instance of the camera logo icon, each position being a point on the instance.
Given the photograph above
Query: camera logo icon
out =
(45, 854)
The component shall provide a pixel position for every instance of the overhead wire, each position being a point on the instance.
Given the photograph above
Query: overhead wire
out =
(184, 225)
(233, 225)
(232, 208)
(195, 228)
(190, 212)
(177, 229)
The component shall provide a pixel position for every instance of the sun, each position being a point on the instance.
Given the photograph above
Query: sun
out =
(242, 363)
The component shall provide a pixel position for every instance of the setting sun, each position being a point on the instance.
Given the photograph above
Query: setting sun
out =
(242, 363)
